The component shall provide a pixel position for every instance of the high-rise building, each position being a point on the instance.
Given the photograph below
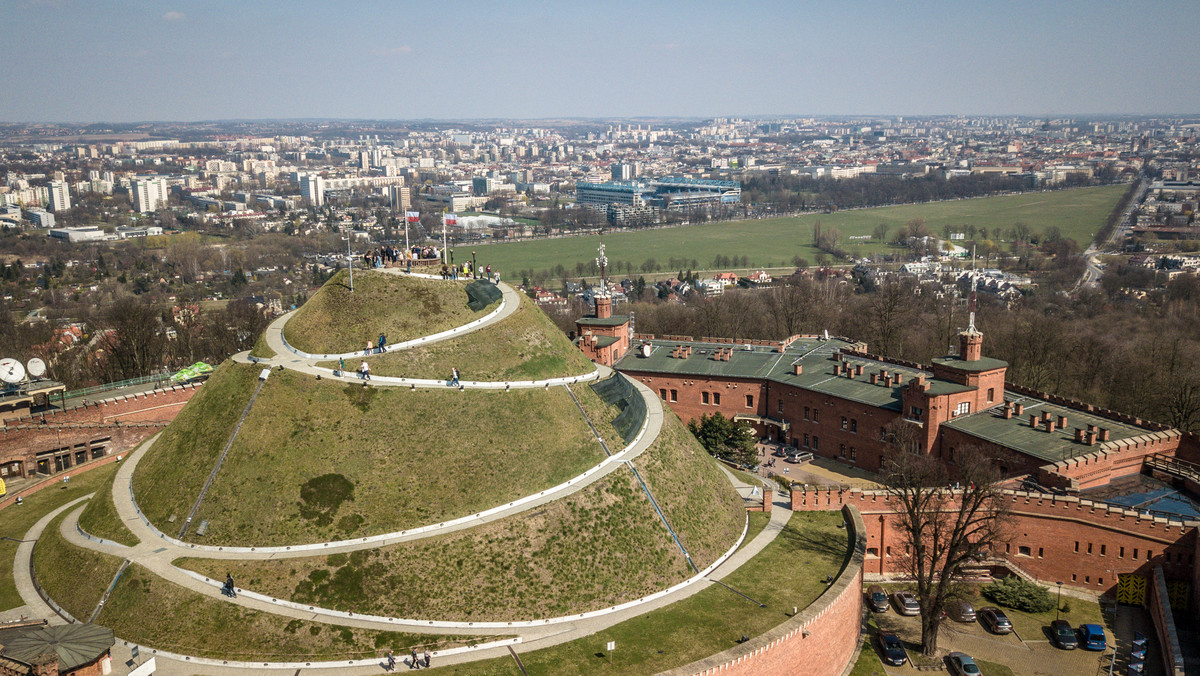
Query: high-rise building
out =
(149, 193)
(400, 198)
(60, 196)
(312, 188)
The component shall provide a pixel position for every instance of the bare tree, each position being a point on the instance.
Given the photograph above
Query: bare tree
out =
(945, 520)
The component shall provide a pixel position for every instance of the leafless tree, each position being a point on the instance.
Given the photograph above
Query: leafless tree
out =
(946, 516)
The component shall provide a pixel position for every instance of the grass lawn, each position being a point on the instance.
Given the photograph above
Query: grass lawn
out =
(868, 663)
(261, 349)
(15, 521)
(73, 576)
(525, 346)
(788, 572)
(593, 549)
(346, 461)
(205, 627)
(758, 521)
(1078, 213)
(336, 320)
(100, 517)
(1029, 625)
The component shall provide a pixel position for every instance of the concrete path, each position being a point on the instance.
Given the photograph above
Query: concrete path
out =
(23, 561)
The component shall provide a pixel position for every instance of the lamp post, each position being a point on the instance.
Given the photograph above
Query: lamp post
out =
(1058, 608)
(350, 262)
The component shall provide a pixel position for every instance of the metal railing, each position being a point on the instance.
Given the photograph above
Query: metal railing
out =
(157, 378)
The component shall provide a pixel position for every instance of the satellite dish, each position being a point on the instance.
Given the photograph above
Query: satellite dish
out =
(11, 371)
(36, 367)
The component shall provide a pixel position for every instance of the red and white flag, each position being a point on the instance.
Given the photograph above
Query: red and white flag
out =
(450, 219)
(413, 216)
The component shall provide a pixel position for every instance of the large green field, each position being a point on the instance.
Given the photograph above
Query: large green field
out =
(773, 242)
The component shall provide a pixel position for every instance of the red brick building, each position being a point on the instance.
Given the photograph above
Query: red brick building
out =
(68, 650)
(604, 337)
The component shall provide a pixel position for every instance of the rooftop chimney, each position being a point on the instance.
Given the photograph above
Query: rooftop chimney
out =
(1090, 438)
(874, 378)
(1008, 410)
(1033, 420)
(1018, 408)
(858, 369)
(896, 378)
(797, 368)
(1062, 421)
(1103, 436)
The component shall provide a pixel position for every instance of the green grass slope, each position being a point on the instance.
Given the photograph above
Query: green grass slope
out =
(1078, 213)
(204, 627)
(525, 346)
(100, 517)
(317, 461)
(335, 320)
(74, 577)
(595, 548)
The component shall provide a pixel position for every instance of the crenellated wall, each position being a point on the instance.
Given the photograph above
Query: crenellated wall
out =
(1082, 543)
(1111, 460)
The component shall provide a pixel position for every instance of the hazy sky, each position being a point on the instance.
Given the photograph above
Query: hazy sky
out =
(128, 60)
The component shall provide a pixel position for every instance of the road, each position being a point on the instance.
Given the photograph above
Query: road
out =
(1094, 270)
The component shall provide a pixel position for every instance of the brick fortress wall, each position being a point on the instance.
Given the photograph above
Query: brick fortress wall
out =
(108, 426)
(1082, 543)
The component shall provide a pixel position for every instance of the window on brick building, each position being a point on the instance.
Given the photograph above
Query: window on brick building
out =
(991, 395)
(853, 454)
(1087, 579)
(780, 406)
(806, 441)
(716, 398)
(816, 415)
(888, 550)
(853, 426)
(1024, 551)
(841, 450)
(883, 434)
(1100, 580)
(914, 412)
(1149, 554)
(1103, 550)
(704, 397)
(663, 393)
(1040, 552)
(816, 443)
(1135, 553)
(806, 413)
(963, 408)
(674, 395)
(873, 552)
(749, 401)
(845, 423)
(1121, 553)
(1074, 577)
(1089, 548)
(1077, 546)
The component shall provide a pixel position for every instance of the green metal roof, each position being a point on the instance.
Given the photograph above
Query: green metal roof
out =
(981, 364)
(75, 644)
(605, 341)
(762, 362)
(615, 320)
(1015, 432)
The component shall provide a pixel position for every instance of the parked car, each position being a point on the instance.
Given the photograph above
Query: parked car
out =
(995, 620)
(906, 603)
(779, 452)
(1064, 635)
(877, 598)
(962, 665)
(893, 650)
(1092, 637)
(800, 458)
(960, 610)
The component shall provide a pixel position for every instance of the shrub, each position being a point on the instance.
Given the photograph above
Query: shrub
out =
(1020, 594)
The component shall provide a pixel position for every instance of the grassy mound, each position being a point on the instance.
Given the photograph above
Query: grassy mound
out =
(74, 577)
(336, 320)
(692, 492)
(525, 346)
(205, 627)
(323, 460)
(100, 517)
(595, 548)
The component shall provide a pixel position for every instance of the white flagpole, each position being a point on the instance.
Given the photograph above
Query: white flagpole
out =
(445, 250)
(407, 250)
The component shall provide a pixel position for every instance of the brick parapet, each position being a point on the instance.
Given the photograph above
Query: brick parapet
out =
(110, 406)
(818, 641)
(1110, 460)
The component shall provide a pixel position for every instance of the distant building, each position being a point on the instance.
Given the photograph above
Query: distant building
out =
(40, 217)
(672, 193)
(400, 197)
(149, 193)
(312, 188)
(60, 196)
(131, 233)
(88, 233)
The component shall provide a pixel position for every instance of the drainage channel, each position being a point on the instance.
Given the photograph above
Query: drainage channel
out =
(588, 420)
(213, 475)
(107, 592)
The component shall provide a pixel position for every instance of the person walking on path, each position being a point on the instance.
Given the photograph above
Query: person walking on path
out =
(415, 664)
(229, 586)
(427, 658)
(453, 377)
(365, 368)
(391, 661)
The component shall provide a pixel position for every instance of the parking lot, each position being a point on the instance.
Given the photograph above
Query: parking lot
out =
(1025, 655)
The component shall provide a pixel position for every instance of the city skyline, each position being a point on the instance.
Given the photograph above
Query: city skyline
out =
(190, 61)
